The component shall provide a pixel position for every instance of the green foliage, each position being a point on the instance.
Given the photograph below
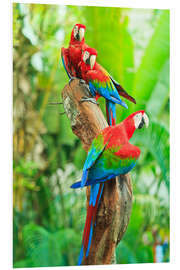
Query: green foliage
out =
(44, 248)
(132, 248)
(48, 217)
(153, 61)
(156, 140)
(136, 246)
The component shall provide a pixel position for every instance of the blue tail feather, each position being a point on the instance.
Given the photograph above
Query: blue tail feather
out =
(90, 238)
(95, 189)
(83, 181)
(65, 67)
(100, 180)
(111, 112)
(93, 194)
(76, 185)
(81, 255)
(119, 101)
(84, 178)
(102, 187)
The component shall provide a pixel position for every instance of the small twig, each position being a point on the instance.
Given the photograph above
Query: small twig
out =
(54, 103)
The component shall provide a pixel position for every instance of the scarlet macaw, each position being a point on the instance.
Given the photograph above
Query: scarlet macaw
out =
(101, 83)
(110, 155)
(71, 56)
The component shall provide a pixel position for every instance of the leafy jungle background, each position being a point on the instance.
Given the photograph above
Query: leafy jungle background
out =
(48, 220)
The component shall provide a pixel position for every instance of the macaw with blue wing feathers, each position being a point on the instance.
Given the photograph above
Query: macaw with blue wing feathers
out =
(71, 56)
(102, 84)
(110, 155)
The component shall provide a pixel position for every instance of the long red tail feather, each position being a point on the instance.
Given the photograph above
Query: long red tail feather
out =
(91, 216)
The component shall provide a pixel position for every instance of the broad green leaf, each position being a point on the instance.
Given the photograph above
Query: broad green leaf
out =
(156, 140)
(112, 41)
(45, 248)
(160, 92)
(155, 57)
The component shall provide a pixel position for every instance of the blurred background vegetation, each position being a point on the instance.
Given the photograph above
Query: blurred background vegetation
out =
(133, 45)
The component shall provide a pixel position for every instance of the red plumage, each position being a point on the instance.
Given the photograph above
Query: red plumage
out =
(97, 72)
(124, 131)
(72, 60)
(72, 54)
(112, 143)
(92, 73)
(90, 217)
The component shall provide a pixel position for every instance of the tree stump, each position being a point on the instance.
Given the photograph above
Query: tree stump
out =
(113, 214)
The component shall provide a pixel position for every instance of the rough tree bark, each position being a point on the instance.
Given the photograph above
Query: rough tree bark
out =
(87, 120)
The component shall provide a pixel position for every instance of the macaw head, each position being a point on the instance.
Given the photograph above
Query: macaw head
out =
(78, 32)
(140, 119)
(89, 57)
(135, 121)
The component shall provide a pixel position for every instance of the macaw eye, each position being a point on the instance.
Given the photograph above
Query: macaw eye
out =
(141, 119)
(137, 119)
(75, 30)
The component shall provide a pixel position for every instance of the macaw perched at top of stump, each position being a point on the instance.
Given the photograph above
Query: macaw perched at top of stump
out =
(71, 56)
(79, 61)
(110, 155)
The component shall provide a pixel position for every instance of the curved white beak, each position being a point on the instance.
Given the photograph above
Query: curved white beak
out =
(92, 61)
(146, 120)
(81, 33)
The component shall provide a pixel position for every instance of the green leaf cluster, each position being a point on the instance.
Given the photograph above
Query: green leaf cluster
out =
(48, 217)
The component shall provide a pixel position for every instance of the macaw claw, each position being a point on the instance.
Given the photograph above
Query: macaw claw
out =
(81, 81)
(88, 99)
(71, 79)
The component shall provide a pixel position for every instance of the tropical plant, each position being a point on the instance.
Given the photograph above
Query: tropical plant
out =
(48, 217)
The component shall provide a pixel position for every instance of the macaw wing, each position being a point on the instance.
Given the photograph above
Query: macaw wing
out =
(128, 155)
(122, 92)
(128, 151)
(100, 82)
(97, 148)
(65, 61)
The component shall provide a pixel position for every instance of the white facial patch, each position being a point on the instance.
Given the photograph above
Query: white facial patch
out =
(81, 33)
(92, 61)
(137, 119)
(85, 56)
(75, 30)
(146, 119)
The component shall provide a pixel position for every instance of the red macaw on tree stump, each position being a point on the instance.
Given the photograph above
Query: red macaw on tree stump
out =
(111, 154)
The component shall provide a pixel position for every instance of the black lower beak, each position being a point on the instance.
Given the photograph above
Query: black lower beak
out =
(88, 61)
(141, 124)
(78, 36)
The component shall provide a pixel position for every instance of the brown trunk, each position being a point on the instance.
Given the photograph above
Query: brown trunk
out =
(87, 120)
